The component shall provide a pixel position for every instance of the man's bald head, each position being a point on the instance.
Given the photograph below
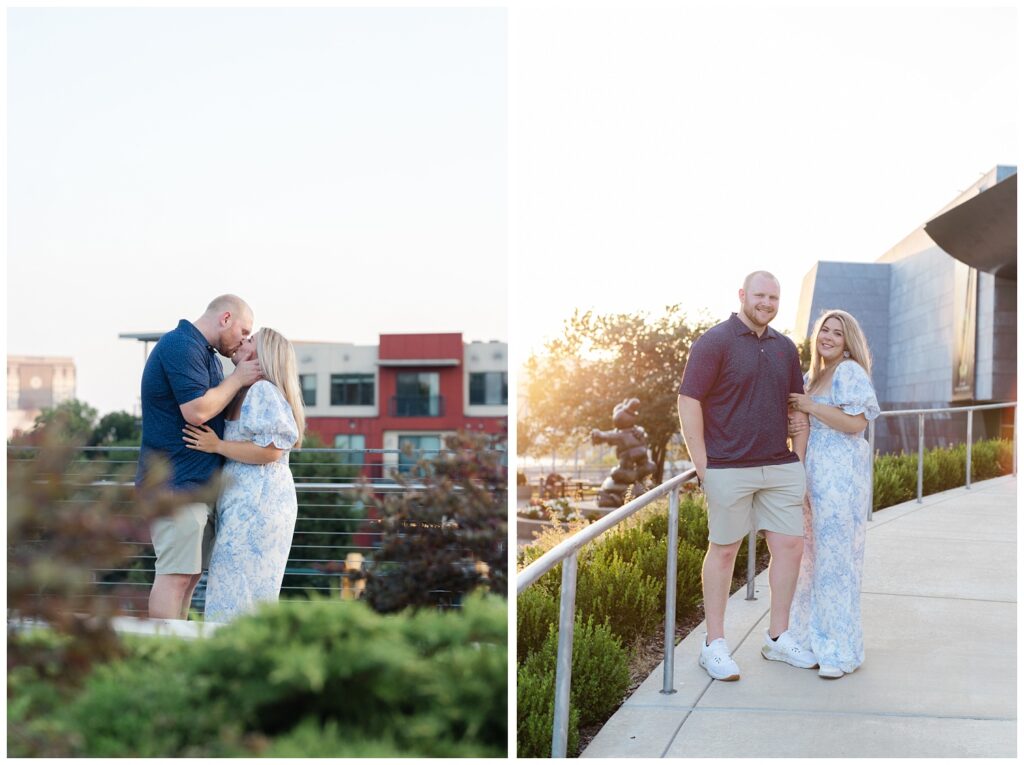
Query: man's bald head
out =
(231, 303)
(226, 322)
(759, 274)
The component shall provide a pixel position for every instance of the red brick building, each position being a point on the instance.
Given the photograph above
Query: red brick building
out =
(409, 391)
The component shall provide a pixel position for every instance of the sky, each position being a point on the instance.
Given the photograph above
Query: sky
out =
(659, 155)
(342, 169)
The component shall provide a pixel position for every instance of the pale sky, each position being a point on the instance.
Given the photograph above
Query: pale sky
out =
(660, 155)
(343, 169)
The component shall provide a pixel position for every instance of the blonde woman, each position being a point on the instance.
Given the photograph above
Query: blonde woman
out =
(257, 508)
(840, 400)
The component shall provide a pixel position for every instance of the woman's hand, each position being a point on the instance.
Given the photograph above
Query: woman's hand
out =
(202, 439)
(797, 423)
(800, 402)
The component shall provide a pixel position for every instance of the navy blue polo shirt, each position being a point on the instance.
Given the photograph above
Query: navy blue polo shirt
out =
(743, 383)
(181, 368)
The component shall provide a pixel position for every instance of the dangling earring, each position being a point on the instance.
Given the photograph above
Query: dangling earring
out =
(846, 354)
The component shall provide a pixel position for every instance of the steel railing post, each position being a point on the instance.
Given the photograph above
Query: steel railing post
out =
(751, 562)
(970, 424)
(1015, 408)
(670, 591)
(563, 663)
(920, 458)
(871, 471)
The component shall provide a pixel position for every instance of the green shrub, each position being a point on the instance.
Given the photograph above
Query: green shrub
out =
(689, 590)
(619, 594)
(895, 480)
(535, 711)
(637, 546)
(990, 459)
(536, 614)
(944, 468)
(693, 520)
(428, 684)
(600, 678)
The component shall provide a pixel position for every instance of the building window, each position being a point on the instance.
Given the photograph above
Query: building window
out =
(352, 390)
(354, 446)
(488, 388)
(308, 384)
(413, 448)
(417, 394)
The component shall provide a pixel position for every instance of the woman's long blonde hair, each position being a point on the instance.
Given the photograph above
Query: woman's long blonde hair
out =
(853, 336)
(277, 358)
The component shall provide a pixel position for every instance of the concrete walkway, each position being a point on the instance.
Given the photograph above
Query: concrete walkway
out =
(939, 677)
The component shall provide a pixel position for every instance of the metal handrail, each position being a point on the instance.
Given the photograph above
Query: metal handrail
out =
(565, 552)
(921, 414)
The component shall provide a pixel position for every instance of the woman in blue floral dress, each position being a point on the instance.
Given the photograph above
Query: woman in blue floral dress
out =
(257, 507)
(840, 400)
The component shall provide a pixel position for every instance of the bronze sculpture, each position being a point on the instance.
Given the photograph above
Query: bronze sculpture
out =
(630, 442)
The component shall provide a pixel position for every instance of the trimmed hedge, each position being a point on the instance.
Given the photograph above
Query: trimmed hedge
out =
(944, 469)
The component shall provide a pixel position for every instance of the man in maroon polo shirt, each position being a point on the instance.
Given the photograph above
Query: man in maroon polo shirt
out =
(733, 407)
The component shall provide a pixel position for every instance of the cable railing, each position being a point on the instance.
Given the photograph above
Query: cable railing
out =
(337, 530)
(566, 552)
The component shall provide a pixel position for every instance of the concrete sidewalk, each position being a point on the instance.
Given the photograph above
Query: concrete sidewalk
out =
(939, 676)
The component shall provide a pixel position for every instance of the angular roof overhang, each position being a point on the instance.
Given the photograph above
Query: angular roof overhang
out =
(982, 232)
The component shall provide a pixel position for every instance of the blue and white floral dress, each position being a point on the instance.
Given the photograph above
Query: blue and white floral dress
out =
(825, 615)
(256, 510)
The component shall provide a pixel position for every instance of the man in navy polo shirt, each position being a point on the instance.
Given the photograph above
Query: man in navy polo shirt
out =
(183, 382)
(733, 410)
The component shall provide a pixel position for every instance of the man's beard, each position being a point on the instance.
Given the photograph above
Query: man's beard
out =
(751, 313)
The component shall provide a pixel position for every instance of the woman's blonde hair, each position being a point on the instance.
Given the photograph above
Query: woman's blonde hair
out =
(853, 336)
(277, 359)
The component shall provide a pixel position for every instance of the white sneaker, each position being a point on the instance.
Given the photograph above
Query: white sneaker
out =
(717, 660)
(830, 672)
(786, 649)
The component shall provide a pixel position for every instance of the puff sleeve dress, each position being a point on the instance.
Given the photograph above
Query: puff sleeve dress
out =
(256, 510)
(825, 614)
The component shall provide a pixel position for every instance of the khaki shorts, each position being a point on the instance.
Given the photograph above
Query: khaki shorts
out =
(771, 497)
(183, 541)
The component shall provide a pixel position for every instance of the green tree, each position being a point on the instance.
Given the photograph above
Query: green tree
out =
(77, 418)
(117, 428)
(573, 384)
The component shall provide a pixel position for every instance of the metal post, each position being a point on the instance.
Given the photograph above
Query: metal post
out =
(563, 663)
(871, 471)
(751, 563)
(920, 458)
(970, 423)
(1015, 409)
(670, 592)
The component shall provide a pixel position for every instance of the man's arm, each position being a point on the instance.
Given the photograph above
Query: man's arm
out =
(210, 404)
(691, 422)
(800, 437)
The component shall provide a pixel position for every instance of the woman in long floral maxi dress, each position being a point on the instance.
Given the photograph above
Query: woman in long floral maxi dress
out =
(257, 508)
(840, 400)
